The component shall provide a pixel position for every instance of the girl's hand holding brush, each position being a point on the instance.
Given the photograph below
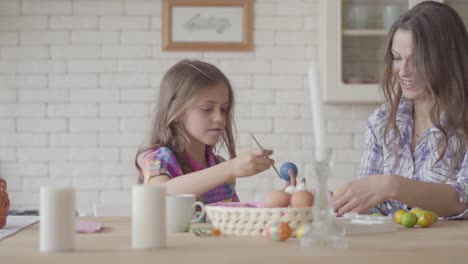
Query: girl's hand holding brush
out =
(250, 163)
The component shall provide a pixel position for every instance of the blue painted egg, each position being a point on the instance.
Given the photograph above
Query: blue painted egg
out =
(284, 170)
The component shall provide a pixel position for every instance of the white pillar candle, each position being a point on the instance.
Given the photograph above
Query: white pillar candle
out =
(57, 219)
(317, 113)
(148, 217)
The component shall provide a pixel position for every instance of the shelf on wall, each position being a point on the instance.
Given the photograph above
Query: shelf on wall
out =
(364, 32)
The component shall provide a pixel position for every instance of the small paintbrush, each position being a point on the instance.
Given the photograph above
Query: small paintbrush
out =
(273, 165)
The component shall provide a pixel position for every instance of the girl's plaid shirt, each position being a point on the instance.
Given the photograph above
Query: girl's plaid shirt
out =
(161, 161)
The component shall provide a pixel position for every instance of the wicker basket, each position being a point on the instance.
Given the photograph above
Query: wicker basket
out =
(252, 221)
(4, 203)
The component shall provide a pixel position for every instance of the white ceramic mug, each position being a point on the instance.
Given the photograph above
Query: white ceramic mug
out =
(180, 209)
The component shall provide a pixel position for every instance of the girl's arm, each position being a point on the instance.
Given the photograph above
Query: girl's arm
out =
(200, 182)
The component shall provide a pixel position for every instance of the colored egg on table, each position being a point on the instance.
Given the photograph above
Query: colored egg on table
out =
(302, 229)
(409, 219)
(425, 220)
(376, 214)
(285, 168)
(278, 231)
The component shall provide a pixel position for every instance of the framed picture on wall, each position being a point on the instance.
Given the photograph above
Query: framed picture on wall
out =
(207, 25)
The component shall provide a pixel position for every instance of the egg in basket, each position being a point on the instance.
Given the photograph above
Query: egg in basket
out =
(292, 205)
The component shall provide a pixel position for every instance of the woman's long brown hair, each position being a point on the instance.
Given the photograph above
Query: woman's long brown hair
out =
(179, 88)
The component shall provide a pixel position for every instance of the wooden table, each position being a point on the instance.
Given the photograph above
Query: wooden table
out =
(445, 242)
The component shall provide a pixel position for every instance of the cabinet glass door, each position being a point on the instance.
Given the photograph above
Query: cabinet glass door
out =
(364, 28)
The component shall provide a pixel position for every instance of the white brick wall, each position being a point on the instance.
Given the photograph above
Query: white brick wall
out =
(78, 81)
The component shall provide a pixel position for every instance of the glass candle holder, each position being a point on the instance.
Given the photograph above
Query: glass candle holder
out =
(326, 231)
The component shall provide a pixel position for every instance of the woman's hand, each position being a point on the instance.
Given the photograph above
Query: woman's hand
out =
(362, 194)
(251, 163)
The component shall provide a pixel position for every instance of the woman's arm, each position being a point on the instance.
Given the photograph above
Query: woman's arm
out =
(446, 199)
(362, 194)
(440, 198)
(346, 199)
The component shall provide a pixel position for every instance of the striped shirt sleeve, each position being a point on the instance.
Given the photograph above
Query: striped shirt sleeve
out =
(461, 187)
(372, 157)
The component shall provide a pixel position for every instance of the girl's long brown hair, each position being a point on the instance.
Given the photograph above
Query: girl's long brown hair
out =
(440, 62)
(180, 86)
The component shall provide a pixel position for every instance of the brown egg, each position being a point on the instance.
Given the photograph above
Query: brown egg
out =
(277, 199)
(302, 199)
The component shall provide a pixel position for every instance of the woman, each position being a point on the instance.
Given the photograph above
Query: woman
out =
(416, 143)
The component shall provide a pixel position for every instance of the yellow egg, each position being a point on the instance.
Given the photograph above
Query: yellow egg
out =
(397, 215)
(277, 198)
(416, 210)
(302, 229)
(425, 219)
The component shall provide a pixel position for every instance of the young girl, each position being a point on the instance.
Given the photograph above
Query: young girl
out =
(416, 143)
(194, 114)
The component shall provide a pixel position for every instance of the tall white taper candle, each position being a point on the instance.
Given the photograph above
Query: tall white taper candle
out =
(148, 216)
(57, 219)
(317, 113)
